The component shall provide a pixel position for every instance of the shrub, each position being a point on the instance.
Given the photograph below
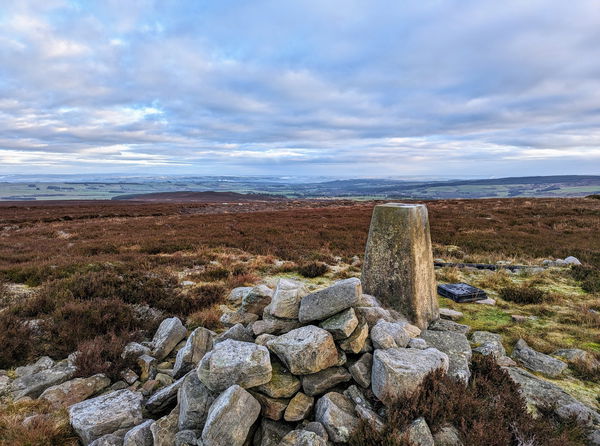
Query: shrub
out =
(523, 294)
(133, 287)
(102, 354)
(489, 411)
(589, 278)
(313, 269)
(80, 320)
(207, 318)
(164, 247)
(15, 339)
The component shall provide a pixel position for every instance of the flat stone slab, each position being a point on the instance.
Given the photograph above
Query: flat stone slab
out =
(329, 301)
(105, 414)
(536, 361)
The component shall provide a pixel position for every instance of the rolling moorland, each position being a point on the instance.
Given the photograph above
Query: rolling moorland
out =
(100, 187)
(82, 275)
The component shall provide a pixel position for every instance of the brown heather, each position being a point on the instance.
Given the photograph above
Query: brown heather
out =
(94, 263)
(489, 411)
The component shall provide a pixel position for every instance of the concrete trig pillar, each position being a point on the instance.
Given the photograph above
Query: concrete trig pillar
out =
(398, 265)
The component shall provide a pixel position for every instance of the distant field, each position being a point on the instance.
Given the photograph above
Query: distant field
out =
(551, 186)
(30, 233)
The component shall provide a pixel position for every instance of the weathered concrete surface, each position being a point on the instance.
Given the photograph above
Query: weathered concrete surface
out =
(398, 266)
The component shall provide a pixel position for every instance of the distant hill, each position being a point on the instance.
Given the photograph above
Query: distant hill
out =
(204, 197)
(211, 189)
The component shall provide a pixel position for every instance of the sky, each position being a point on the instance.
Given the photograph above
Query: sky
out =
(342, 88)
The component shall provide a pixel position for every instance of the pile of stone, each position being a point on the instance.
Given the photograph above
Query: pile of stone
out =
(293, 368)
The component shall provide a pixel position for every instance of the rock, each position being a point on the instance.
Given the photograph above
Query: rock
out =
(539, 393)
(446, 325)
(329, 301)
(286, 299)
(317, 428)
(237, 333)
(320, 382)
(274, 326)
(198, 343)
(237, 294)
(518, 318)
(234, 362)
(164, 399)
(341, 325)
(458, 349)
(133, 350)
(305, 350)
(357, 397)
(356, 341)
(256, 300)
(366, 300)
(270, 433)
(33, 384)
(488, 343)
(194, 402)
(572, 261)
(299, 407)
(488, 301)
(237, 317)
(186, 438)
(453, 315)
(108, 440)
(43, 363)
(417, 343)
(119, 385)
(282, 384)
(505, 361)
(369, 416)
(536, 361)
(147, 365)
(271, 408)
(164, 430)
(398, 264)
(389, 335)
(170, 332)
(447, 436)
(398, 372)
(419, 434)
(578, 355)
(129, 376)
(264, 338)
(105, 414)
(74, 391)
(373, 314)
(302, 438)
(583, 415)
(164, 378)
(336, 413)
(361, 370)
(230, 418)
(140, 435)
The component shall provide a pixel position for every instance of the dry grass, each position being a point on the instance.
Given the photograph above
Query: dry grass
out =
(47, 427)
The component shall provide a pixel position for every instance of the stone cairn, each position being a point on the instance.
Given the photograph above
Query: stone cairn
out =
(294, 367)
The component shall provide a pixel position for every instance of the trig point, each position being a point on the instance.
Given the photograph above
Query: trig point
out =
(398, 266)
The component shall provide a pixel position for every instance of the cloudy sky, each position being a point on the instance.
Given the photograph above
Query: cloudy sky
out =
(306, 87)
